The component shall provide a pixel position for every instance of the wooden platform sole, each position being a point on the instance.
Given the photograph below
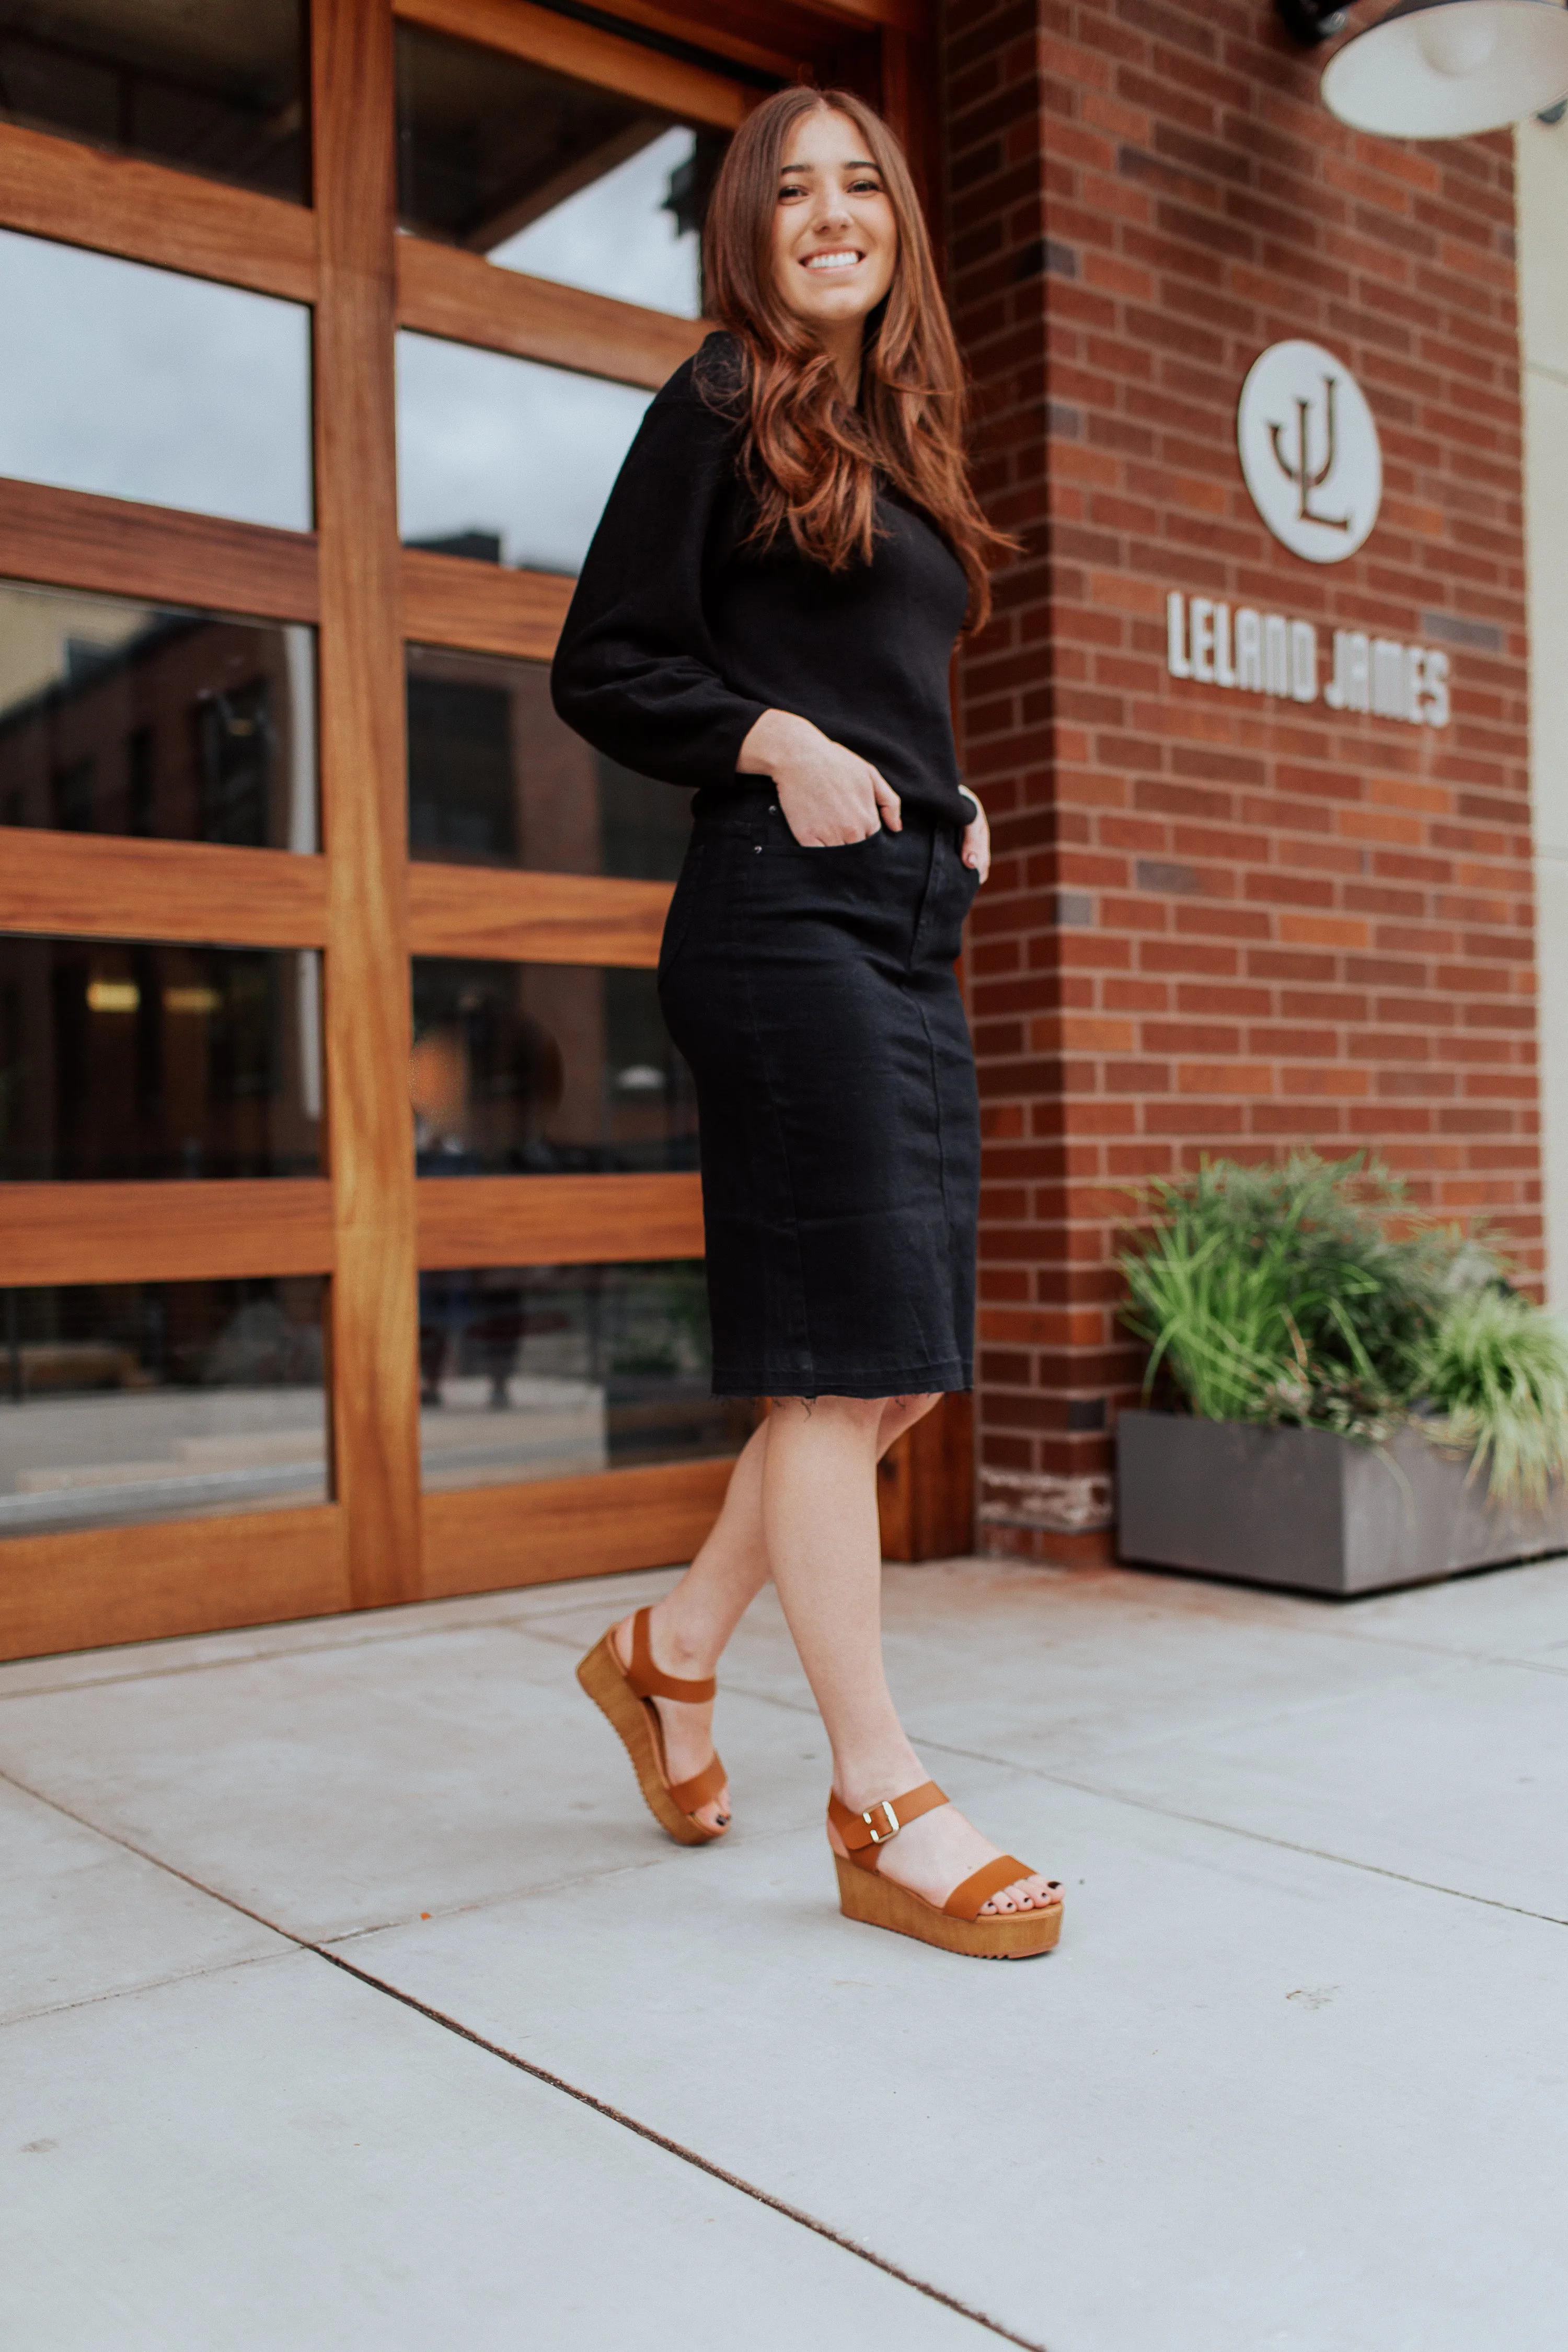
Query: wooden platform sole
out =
(603, 1678)
(865, 1895)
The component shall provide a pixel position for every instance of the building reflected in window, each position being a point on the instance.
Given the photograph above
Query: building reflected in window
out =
(130, 1401)
(218, 89)
(545, 1069)
(555, 1371)
(139, 718)
(126, 1060)
(544, 173)
(495, 779)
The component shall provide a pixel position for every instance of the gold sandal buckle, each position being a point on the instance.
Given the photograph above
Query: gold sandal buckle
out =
(881, 1837)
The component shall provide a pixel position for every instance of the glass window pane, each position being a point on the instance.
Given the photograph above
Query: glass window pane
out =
(140, 383)
(549, 1371)
(142, 718)
(124, 1060)
(503, 458)
(544, 1069)
(160, 1401)
(495, 779)
(551, 175)
(218, 89)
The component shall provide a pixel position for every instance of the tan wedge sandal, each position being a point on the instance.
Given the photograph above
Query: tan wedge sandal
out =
(626, 1694)
(956, 1927)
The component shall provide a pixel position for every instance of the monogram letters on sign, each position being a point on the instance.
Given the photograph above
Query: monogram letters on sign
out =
(1311, 460)
(1310, 451)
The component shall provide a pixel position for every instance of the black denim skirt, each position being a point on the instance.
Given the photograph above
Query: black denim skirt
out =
(813, 992)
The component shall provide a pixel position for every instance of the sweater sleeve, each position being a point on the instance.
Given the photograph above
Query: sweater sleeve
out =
(636, 671)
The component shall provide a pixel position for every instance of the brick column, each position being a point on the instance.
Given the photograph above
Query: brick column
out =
(1219, 922)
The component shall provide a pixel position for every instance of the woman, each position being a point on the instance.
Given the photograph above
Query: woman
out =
(767, 613)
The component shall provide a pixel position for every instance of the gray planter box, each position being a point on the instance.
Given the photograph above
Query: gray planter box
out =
(1303, 1508)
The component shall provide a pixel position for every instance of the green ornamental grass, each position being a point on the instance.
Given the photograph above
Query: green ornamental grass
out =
(1499, 1368)
(1305, 1294)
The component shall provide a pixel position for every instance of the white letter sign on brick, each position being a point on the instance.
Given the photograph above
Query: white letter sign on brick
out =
(1310, 451)
(1249, 652)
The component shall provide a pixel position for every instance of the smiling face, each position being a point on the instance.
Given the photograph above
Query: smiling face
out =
(836, 239)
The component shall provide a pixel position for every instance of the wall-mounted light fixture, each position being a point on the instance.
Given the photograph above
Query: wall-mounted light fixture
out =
(1441, 68)
(1314, 20)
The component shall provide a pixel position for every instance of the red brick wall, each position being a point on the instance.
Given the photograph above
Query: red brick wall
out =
(1220, 924)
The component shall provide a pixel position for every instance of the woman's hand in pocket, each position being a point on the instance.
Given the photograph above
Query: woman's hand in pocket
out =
(976, 838)
(829, 795)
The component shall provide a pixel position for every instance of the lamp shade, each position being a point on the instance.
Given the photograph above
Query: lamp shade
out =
(1446, 69)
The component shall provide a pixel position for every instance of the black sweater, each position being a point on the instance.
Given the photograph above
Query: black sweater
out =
(680, 635)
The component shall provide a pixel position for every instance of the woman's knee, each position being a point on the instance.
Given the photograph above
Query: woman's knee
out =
(899, 1412)
(829, 1408)
(903, 1411)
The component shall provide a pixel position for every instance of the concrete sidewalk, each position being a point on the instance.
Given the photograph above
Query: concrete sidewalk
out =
(352, 1998)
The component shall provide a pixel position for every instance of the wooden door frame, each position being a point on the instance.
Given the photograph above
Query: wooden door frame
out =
(367, 1224)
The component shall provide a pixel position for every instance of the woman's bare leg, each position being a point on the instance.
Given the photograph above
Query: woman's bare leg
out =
(819, 1525)
(690, 1629)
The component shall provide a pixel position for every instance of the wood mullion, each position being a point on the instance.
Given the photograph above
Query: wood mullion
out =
(176, 1232)
(375, 1313)
(479, 1538)
(65, 189)
(119, 547)
(465, 1221)
(563, 46)
(482, 608)
(103, 886)
(181, 1576)
(521, 917)
(444, 291)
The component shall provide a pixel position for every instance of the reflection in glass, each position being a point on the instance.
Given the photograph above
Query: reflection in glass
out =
(159, 1401)
(544, 1069)
(550, 1371)
(145, 720)
(123, 1060)
(495, 779)
(556, 177)
(138, 384)
(503, 458)
(216, 88)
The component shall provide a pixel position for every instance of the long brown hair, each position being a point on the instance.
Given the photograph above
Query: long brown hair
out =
(811, 458)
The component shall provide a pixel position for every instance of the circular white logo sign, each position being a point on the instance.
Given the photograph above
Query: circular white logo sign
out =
(1310, 451)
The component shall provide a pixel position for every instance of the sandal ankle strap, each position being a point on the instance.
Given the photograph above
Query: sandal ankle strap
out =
(883, 1820)
(647, 1681)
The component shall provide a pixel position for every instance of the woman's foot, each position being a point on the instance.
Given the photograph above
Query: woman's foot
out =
(688, 1730)
(939, 1851)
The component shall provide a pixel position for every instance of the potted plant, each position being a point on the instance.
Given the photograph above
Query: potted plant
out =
(1351, 1400)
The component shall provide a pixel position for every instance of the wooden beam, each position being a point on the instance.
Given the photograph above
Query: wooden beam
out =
(442, 291)
(477, 1221)
(201, 1231)
(448, 600)
(668, 84)
(116, 547)
(182, 1576)
(916, 16)
(469, 910)
(783, 53)
(103, 886)
(489, 1539)
(114, 204)
(374, 1312)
